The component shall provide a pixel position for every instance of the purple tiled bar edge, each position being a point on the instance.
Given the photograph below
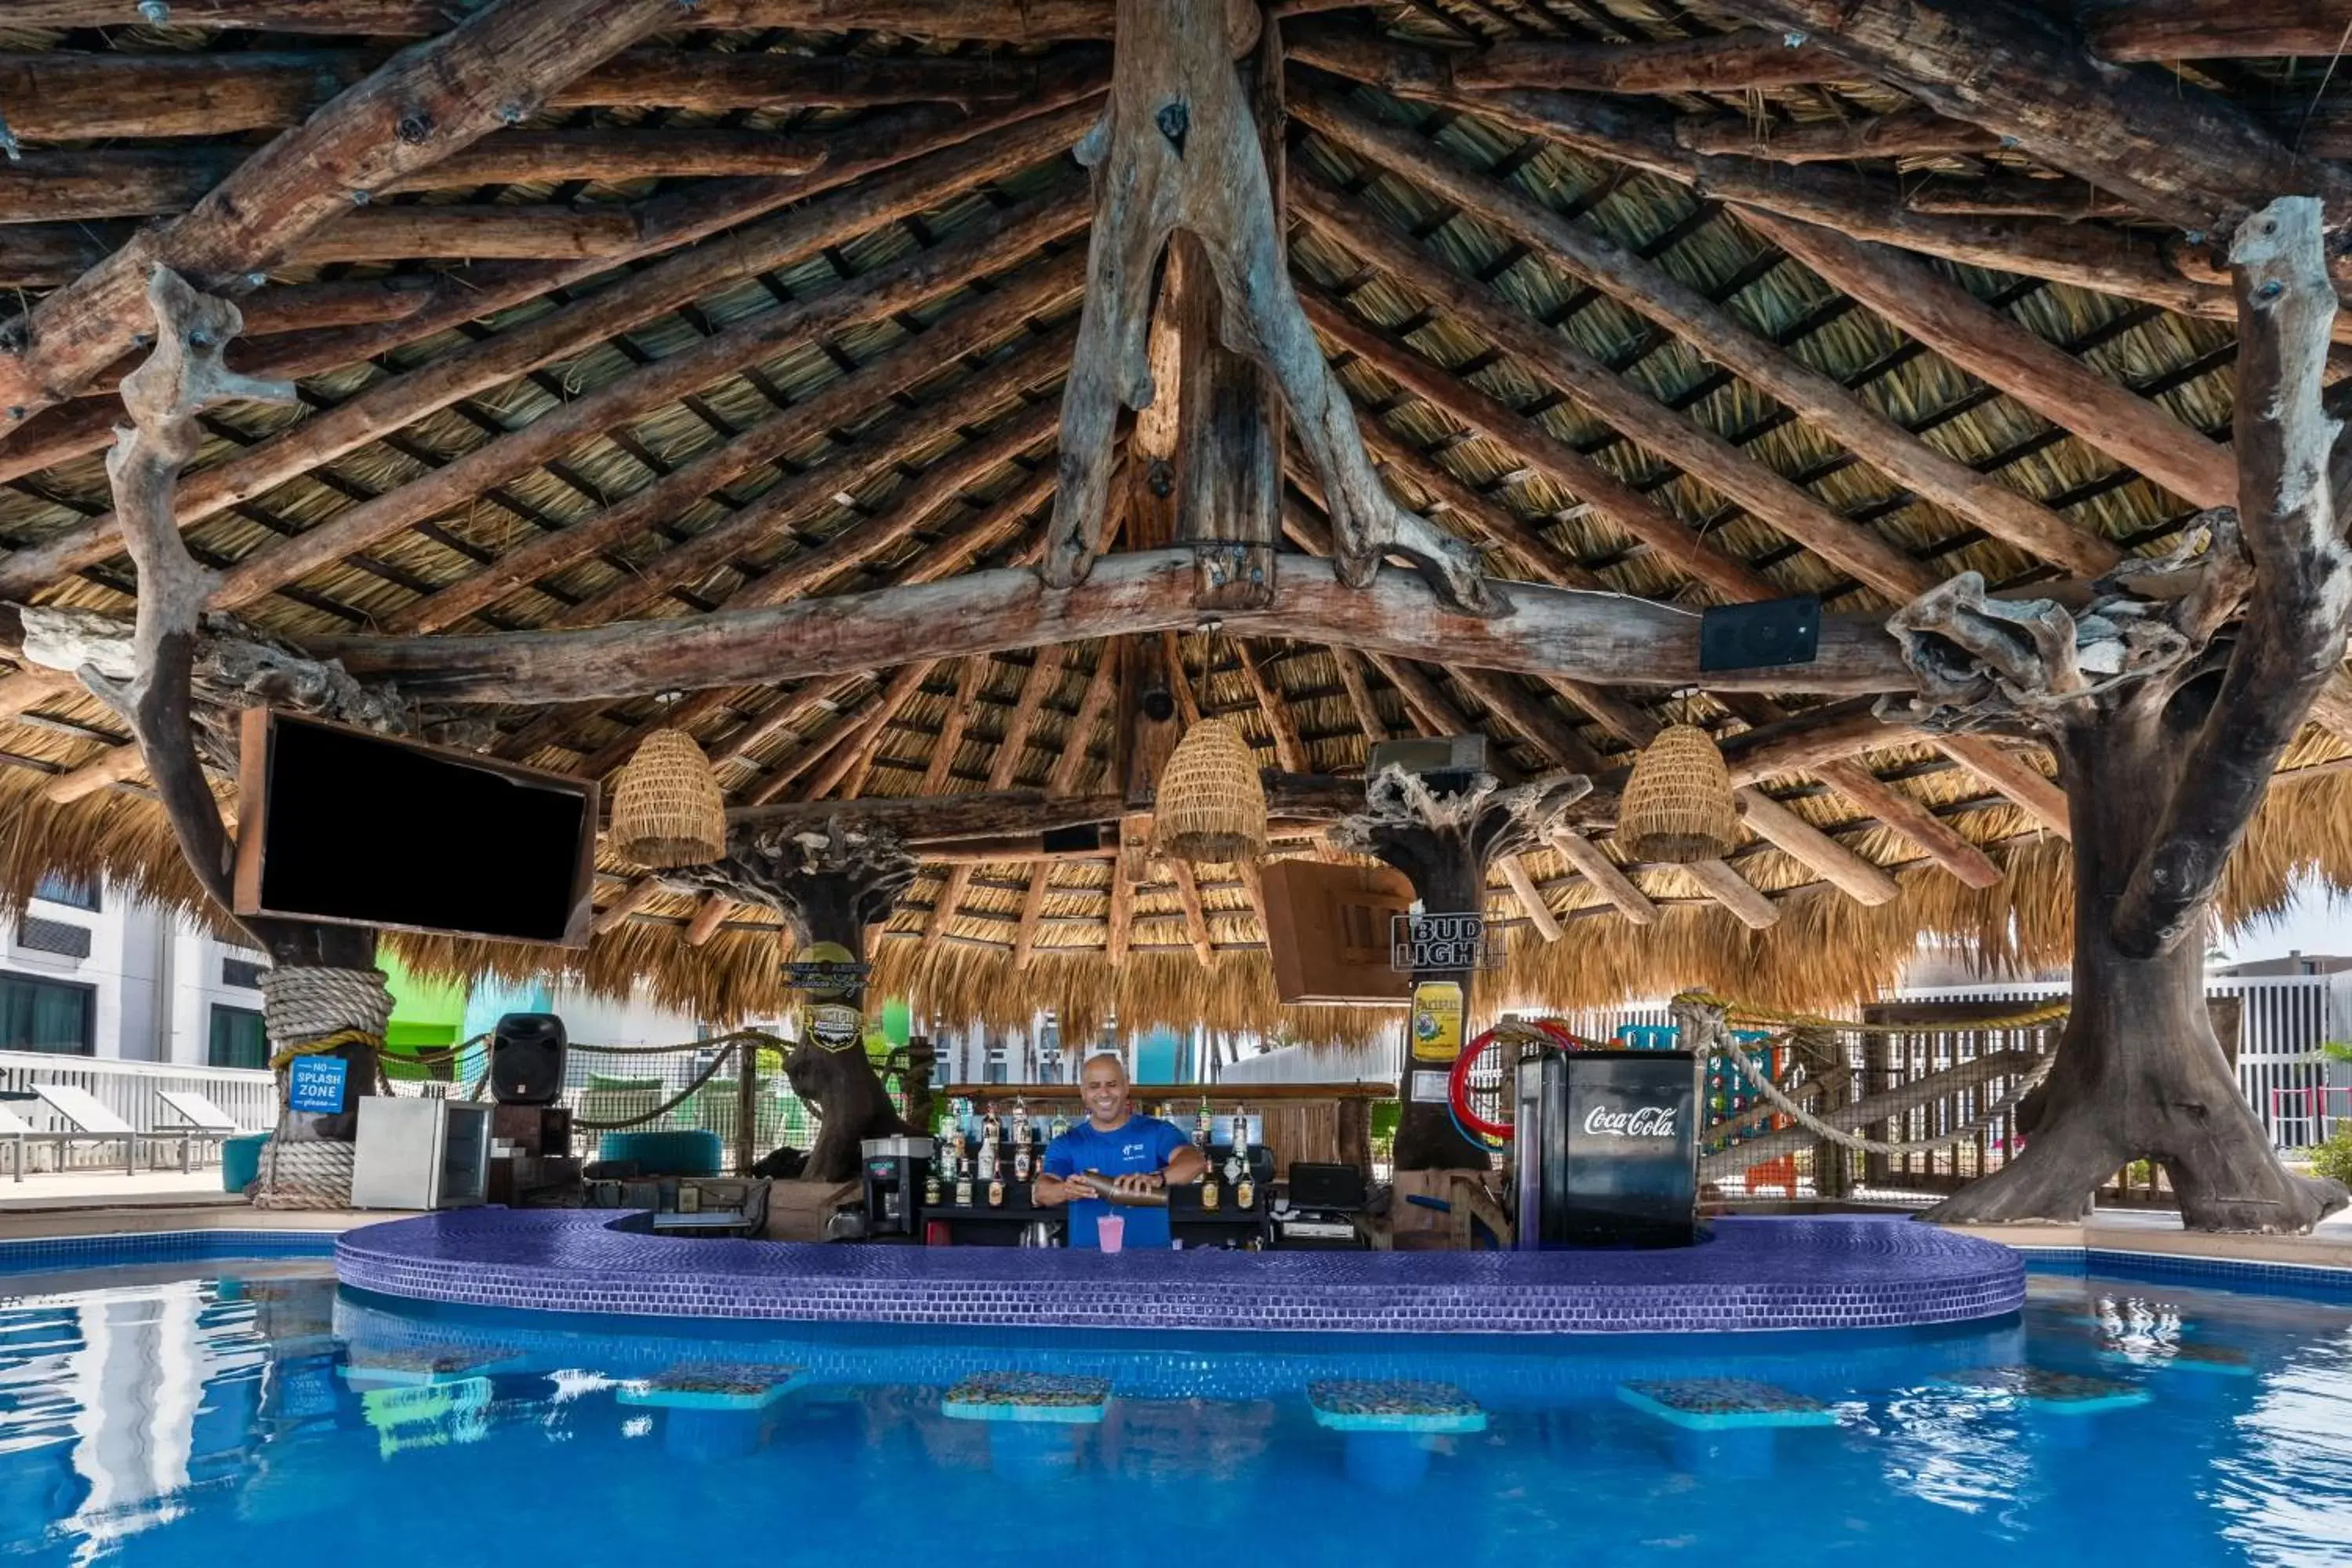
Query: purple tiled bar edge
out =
(1825, 1272)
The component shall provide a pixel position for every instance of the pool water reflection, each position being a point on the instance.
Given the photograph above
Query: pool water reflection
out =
(245, 1413)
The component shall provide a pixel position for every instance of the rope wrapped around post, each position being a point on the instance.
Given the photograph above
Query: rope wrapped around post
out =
(311, 1012)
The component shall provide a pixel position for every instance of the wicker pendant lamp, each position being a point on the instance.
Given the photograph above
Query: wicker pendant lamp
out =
(1678, 806)
(667, 809)
(1212, 804)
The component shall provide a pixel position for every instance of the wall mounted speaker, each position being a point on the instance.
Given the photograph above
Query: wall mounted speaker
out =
(1760, 636)
(527, 1059)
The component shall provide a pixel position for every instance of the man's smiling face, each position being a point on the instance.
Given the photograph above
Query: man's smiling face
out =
(1102, 1084)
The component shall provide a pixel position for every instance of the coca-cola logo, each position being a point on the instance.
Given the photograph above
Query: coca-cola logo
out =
(1648, 1121)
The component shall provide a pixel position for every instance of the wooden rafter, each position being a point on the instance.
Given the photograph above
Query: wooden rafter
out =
(427, 102)
(2014, 67)
(920, 182)
(1654, 293)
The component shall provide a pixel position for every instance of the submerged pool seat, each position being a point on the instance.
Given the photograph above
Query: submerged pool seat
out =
(690, 1152)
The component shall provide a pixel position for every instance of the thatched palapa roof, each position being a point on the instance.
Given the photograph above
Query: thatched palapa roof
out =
(776, 303)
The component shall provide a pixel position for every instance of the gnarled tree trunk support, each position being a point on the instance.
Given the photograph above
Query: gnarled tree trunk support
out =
(830, 885)
(2167, 712)
(1176, 149)
(181, 378)
(1444, 843)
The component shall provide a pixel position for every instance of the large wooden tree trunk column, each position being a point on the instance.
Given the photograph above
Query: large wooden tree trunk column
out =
(830, 885)
(2168, 702)
(325, 996)
(1443, 842)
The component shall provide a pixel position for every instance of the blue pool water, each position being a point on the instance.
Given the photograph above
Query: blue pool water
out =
(243, 1412)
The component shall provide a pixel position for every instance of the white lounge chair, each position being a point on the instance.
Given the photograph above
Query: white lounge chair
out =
(16, 1131)
(206, 1122)
(89, 1117)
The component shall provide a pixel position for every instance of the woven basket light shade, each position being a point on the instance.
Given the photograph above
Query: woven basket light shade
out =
(667, 809)
(1212, 804)
(1678, 806)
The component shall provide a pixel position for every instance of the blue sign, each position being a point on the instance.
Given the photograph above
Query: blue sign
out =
(316, 1085)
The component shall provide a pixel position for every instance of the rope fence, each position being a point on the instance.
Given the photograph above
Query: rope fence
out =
(731, 1086)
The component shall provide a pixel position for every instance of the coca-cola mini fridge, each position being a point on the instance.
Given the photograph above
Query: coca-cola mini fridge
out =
(1606, 1146)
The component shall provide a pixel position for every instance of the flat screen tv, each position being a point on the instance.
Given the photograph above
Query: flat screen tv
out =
(342, 826)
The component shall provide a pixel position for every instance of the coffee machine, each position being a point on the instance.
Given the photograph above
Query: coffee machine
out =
(895, 1170)
(1605, 1148)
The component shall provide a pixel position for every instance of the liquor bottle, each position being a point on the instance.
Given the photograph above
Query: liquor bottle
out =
(990, 1128)
(963, 1191)
(1061, 1124)
(1020, 1123)
(995, 1194)
(1201, 1123)
(988, 1162)
(931, 1190)
(1245, 1190)
(1209, 1191)
(1240, 1133)
(1021, 1161)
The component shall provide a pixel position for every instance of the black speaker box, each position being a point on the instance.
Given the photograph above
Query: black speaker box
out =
(527, 1059)
(1319, 1187)
(1760, 636)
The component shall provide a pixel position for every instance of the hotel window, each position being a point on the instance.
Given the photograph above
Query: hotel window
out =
(242, 973)
(239, 1040)
(57, 888)
(47, 1015)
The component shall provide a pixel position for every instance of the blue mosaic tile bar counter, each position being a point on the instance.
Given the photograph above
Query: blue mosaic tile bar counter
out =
(1831, 1272)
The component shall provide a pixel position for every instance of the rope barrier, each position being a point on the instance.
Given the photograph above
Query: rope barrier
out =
(1735, 1011)
(1839, 1136)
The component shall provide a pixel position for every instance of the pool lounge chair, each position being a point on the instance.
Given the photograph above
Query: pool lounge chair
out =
(92, 1123)
(205, 1122)
(16, 1131)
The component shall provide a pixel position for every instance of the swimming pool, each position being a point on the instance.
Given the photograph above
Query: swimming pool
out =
(182, 1410)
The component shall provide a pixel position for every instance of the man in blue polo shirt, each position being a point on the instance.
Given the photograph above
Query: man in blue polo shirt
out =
(1138, 1154)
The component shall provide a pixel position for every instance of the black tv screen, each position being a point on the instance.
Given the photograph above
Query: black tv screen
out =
(359, 829)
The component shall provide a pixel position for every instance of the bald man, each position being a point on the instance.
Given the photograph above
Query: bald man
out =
(1138, 1154)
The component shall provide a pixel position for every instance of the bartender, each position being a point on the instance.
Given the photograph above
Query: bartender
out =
(1138, 1153)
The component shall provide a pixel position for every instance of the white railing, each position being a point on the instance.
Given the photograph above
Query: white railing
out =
(131, 1091)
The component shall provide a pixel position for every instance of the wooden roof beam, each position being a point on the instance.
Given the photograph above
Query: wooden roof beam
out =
(2019, 68)
(849, 764)
(921, 182)
(920, 276)
(426, 103)
(876, 142)
(2216, 29)
(1289, 749)
(1909, 133)
(1630, 133)
(1591, 862)
(1601, 638)
(840, 403)
(1675, 541)
(1993, 347)
(1747, 59)
(1360, 695)
(1651, 292)
(1632, 412)
(1005, 21)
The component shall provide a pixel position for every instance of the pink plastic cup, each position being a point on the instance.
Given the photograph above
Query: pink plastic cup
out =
(1110, 1231)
